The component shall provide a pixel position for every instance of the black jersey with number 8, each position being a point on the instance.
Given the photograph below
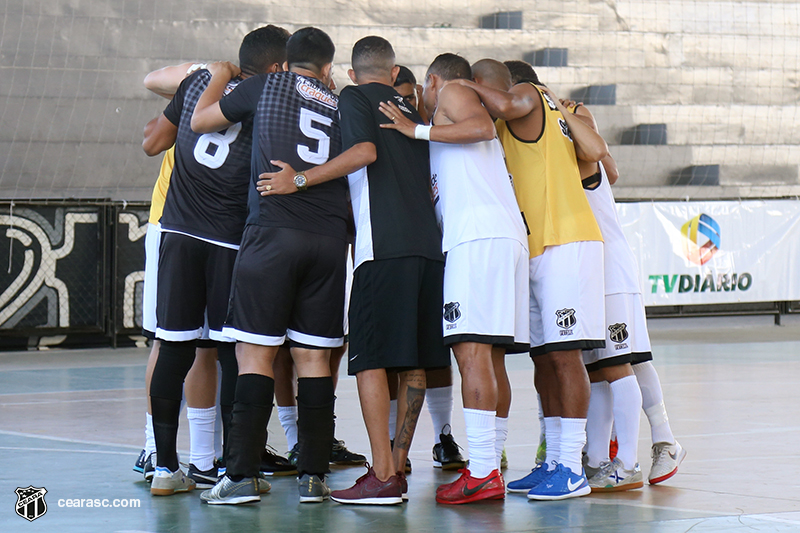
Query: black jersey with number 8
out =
(296, 120)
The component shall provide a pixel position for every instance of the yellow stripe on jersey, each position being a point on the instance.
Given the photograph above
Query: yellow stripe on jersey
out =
(548, 183)
(162, 184)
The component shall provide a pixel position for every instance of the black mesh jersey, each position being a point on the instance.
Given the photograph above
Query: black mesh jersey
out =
(296, 120)
(207, 195)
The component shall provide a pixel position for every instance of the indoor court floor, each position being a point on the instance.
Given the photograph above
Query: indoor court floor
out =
(72, 421)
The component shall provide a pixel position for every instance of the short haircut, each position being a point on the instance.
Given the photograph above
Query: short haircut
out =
(450, 67)
(405, 76)
(372, 55)
(522, 72)
(491, 70)
(262, 48)
(309, 48)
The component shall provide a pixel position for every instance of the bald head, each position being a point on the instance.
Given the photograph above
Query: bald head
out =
(492, 74)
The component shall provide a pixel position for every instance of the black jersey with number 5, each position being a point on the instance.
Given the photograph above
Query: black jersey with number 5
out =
(296, 120)
(207, 195)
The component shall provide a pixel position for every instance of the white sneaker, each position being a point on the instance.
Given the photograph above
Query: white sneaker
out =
(666, 459)
(613, 477)
(167, 483)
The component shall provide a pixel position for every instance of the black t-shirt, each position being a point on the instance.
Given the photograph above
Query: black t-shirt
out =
(296, 120)
(391, 197)
(207, 195)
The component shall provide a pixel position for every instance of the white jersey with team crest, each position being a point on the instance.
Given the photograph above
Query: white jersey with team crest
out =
(621, 269)
(473, 194)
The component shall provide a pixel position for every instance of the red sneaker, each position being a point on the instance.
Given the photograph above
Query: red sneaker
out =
(369, 490)
(403, 485)
(613, 447)
(468, 489)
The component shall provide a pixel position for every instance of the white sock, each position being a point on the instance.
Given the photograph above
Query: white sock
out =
(149, 436)
(541, 419)
(598, 423)
(440, 406)
(201, 435)
(481, 434)
(392, 418)
(288, 417)
(627, 403)
(653, 402)
(500, 436)
(573, 437)
(552, 430)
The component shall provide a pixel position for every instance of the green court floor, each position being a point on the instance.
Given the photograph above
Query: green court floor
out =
(72, 422)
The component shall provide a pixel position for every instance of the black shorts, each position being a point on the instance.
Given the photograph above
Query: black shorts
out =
(641, 357)
(396, 315)
(194, 281)
(288, 283)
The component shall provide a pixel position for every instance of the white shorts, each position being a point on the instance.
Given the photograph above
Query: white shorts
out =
(152, 242)
(627, 340)
(567, 311)
(486, 294)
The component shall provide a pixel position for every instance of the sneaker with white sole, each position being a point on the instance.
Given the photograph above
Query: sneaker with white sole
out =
(229, 492)
(667, 458)
(205, 479)
(312, 489)
(538, 474)
(167, 483)
(612, 477)
(560, 485)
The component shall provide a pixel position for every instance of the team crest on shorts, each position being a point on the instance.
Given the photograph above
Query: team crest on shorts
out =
(451, 312)
(30, 502)
(565, 319)
(619, 334)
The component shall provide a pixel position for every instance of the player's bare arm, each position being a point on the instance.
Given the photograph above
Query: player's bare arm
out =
(461, 118)
(505, 105)
(165, 81)
(589, 146)
(282, 182)
(159, 135)
(207, 116)
(609, 164)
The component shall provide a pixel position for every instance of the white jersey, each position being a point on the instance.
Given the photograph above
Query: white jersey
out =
(473, 194)
(621, 269)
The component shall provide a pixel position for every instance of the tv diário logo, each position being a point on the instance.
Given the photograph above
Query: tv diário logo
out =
(701, 229)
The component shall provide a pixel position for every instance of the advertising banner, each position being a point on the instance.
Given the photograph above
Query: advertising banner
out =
(715, 252)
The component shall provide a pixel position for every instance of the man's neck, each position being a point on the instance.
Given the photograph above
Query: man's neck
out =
(304, 72)
(363, 80)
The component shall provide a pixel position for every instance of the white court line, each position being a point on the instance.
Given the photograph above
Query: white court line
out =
(769, 518)
(68, 391)
(64, 439)
(658, 507)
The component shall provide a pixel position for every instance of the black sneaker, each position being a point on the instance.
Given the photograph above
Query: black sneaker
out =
(149, 468)
(138, 466)
(273, 464)
(205, 479)
(446, 454)
(408, 461)
(293, 453)
(342, 456)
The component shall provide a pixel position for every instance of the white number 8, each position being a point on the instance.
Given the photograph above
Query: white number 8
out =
(221, 143)
(307, 118)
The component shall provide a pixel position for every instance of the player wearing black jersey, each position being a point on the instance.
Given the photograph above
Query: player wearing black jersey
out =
(289, 276)
(202, 223)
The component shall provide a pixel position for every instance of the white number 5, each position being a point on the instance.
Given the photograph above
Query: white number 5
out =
(307, 118)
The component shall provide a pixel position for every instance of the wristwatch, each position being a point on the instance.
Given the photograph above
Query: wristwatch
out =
(301, 182)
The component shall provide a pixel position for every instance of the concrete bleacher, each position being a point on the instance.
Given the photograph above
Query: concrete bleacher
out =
(722, 75)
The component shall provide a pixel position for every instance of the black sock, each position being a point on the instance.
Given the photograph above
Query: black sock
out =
(166, 391)
(226, 353)
(314, 424)
(251, 412)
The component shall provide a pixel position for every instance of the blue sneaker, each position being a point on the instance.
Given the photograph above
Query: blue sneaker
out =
(138, 466)
(537, 475)
(561, 484)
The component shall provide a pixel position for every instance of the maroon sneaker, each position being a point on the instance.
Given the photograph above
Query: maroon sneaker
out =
(369, 490)
(403, 485)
